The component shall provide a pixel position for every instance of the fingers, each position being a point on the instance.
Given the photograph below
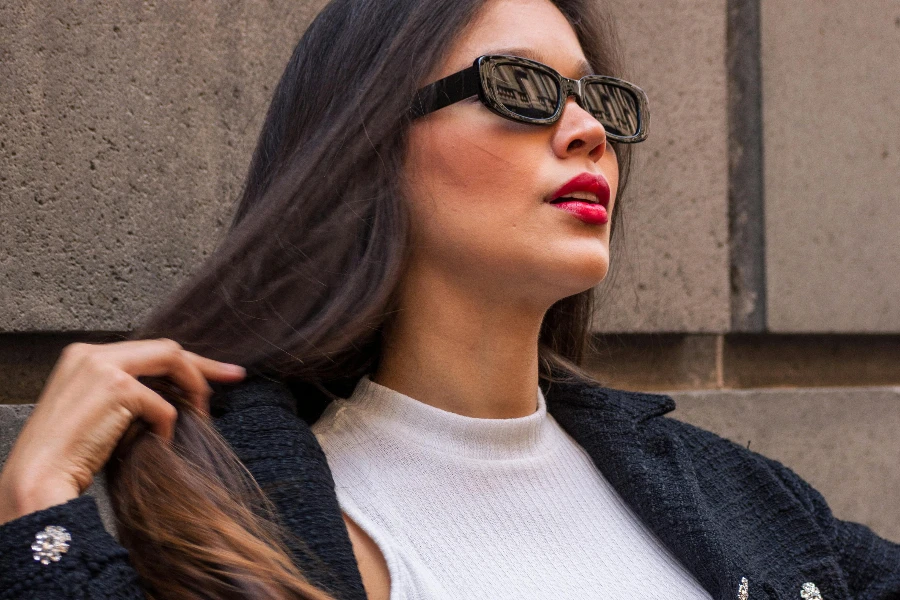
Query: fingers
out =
(217, 371)
(91, 399)
(153, 409)
(165, 357)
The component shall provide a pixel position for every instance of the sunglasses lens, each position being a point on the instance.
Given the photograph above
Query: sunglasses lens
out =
(616, 107)
(525, 91)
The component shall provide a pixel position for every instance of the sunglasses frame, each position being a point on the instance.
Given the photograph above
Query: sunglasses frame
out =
(475, 80)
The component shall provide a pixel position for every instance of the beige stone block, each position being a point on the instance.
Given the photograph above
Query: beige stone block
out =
(125, 132)
(843, 441)
(831, 106)
(810, 360)
(674, 267)
(647, 362)
(26, 361)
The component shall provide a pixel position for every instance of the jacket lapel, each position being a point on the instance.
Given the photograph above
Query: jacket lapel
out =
(258, 419)
(651, 470)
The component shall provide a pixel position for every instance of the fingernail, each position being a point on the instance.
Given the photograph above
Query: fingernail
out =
(237, 369)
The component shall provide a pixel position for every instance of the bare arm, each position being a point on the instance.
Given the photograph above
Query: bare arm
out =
(372, 565)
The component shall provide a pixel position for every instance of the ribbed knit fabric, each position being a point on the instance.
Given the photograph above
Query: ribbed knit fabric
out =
(464, 507)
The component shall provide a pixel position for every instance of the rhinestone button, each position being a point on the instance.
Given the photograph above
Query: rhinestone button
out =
(50, 544)
(744, 589)
(809, 591)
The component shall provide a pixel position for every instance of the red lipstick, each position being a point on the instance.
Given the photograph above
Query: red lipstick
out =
(585, 197)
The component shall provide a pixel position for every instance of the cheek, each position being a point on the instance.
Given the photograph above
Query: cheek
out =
(470, 179)
(471, 166)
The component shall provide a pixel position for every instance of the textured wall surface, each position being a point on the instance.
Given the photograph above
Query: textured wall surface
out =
(831, 108)
(125, 130)
(674, 272)
(843, 441)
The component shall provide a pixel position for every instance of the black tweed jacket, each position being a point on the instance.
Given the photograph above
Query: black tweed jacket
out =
(744, 525)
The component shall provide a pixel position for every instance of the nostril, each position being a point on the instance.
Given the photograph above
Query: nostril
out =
(598, 150)
(575, 144)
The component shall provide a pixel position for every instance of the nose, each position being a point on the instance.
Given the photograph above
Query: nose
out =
(578, 132)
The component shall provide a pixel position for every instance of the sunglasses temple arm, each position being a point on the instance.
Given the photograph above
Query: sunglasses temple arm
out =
(444, 92)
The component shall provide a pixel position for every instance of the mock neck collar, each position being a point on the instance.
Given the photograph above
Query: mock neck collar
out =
(449, 432)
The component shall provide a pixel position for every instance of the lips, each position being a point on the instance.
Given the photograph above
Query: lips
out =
(582, 188)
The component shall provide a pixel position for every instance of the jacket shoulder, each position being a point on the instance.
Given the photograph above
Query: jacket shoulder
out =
(794, 514)
(737, 465)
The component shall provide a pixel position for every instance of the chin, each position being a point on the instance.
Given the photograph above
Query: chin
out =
(585, 261)
(575, 276)
(586, 281)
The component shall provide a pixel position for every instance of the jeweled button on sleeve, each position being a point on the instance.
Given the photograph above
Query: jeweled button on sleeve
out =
(50, 544)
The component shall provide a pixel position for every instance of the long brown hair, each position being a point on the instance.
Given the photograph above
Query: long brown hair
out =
(301, 287)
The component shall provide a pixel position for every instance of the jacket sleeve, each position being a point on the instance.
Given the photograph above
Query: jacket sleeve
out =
(871, 564)
(95, 565)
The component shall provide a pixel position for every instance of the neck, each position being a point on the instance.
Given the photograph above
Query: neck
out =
(463, 352)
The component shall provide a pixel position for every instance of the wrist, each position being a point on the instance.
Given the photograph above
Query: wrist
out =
(19, 497)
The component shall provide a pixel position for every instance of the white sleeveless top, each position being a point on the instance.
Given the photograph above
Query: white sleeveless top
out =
(491, 509)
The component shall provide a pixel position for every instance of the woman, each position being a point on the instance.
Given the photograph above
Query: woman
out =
(428, 251)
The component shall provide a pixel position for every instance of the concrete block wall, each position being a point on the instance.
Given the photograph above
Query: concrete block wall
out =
(831, 107)
(760, 281)
(125, 131)
(673, 275)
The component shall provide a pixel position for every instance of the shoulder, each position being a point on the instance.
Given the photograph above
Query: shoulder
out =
(722, 464)
(259, 421)
(711, 450)
(258, 406)
(714, 448)
(795, 515)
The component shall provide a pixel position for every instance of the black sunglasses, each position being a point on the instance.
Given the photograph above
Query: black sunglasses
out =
(531, 92)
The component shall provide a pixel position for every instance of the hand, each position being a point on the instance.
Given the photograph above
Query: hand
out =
(89, 401)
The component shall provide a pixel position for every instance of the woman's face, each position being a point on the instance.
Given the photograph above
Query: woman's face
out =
(478, 184)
